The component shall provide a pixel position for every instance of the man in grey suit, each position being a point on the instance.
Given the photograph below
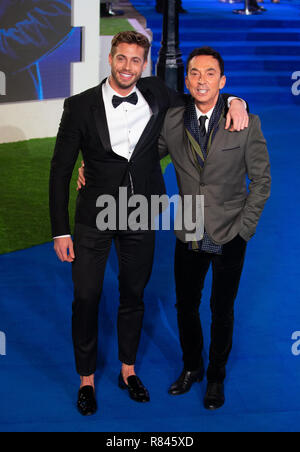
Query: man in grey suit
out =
(213, 162)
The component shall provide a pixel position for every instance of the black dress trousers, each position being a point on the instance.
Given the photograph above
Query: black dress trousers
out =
(135, 253)
(191, 268)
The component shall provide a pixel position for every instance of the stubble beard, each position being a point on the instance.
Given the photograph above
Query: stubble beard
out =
(124, 86)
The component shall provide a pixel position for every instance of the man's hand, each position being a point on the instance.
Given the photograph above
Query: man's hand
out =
(64, 249)
(81, 178)
(237, 116)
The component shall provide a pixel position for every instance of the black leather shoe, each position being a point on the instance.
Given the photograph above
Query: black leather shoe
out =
(135, 388)
(87, 405)
(186, 381)
(214, 397)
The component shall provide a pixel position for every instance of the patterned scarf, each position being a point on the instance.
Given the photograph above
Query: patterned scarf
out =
(200, 148)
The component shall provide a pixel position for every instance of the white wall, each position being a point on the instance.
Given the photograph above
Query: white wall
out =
(25, 120)
(86, 74)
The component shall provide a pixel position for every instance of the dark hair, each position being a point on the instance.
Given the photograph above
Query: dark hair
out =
(206, 51)
(131, 37)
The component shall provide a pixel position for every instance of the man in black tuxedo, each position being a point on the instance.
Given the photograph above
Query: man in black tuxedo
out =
(116, 126)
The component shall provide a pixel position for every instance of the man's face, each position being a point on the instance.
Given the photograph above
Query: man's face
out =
(127, 66)
(204, 81)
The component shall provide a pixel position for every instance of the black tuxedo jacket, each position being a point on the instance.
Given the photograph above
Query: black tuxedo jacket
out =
(84, 127)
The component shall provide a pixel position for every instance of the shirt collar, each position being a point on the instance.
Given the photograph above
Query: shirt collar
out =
(208, 114)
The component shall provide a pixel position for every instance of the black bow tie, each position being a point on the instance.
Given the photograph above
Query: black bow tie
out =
(132, 99)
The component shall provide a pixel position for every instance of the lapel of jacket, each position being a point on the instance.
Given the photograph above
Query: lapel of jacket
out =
(100, 118)
(218, 140)
(153, 104)
(182, 146)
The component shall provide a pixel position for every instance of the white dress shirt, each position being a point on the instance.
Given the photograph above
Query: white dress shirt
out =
(127, 122)
(208, 114)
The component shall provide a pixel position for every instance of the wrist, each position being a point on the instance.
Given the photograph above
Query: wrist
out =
(232, 100)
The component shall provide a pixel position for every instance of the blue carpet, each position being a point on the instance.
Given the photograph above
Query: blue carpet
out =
(38, 385)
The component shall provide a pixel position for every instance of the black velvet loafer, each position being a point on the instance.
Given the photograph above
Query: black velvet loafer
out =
(135, 388)
(186, 381)
(214, 397)
(87, 405)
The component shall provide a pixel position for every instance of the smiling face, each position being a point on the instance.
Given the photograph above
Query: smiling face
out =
(204, 81)
(127, 65)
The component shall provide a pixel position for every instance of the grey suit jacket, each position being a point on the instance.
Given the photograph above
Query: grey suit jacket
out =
(231, 207)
